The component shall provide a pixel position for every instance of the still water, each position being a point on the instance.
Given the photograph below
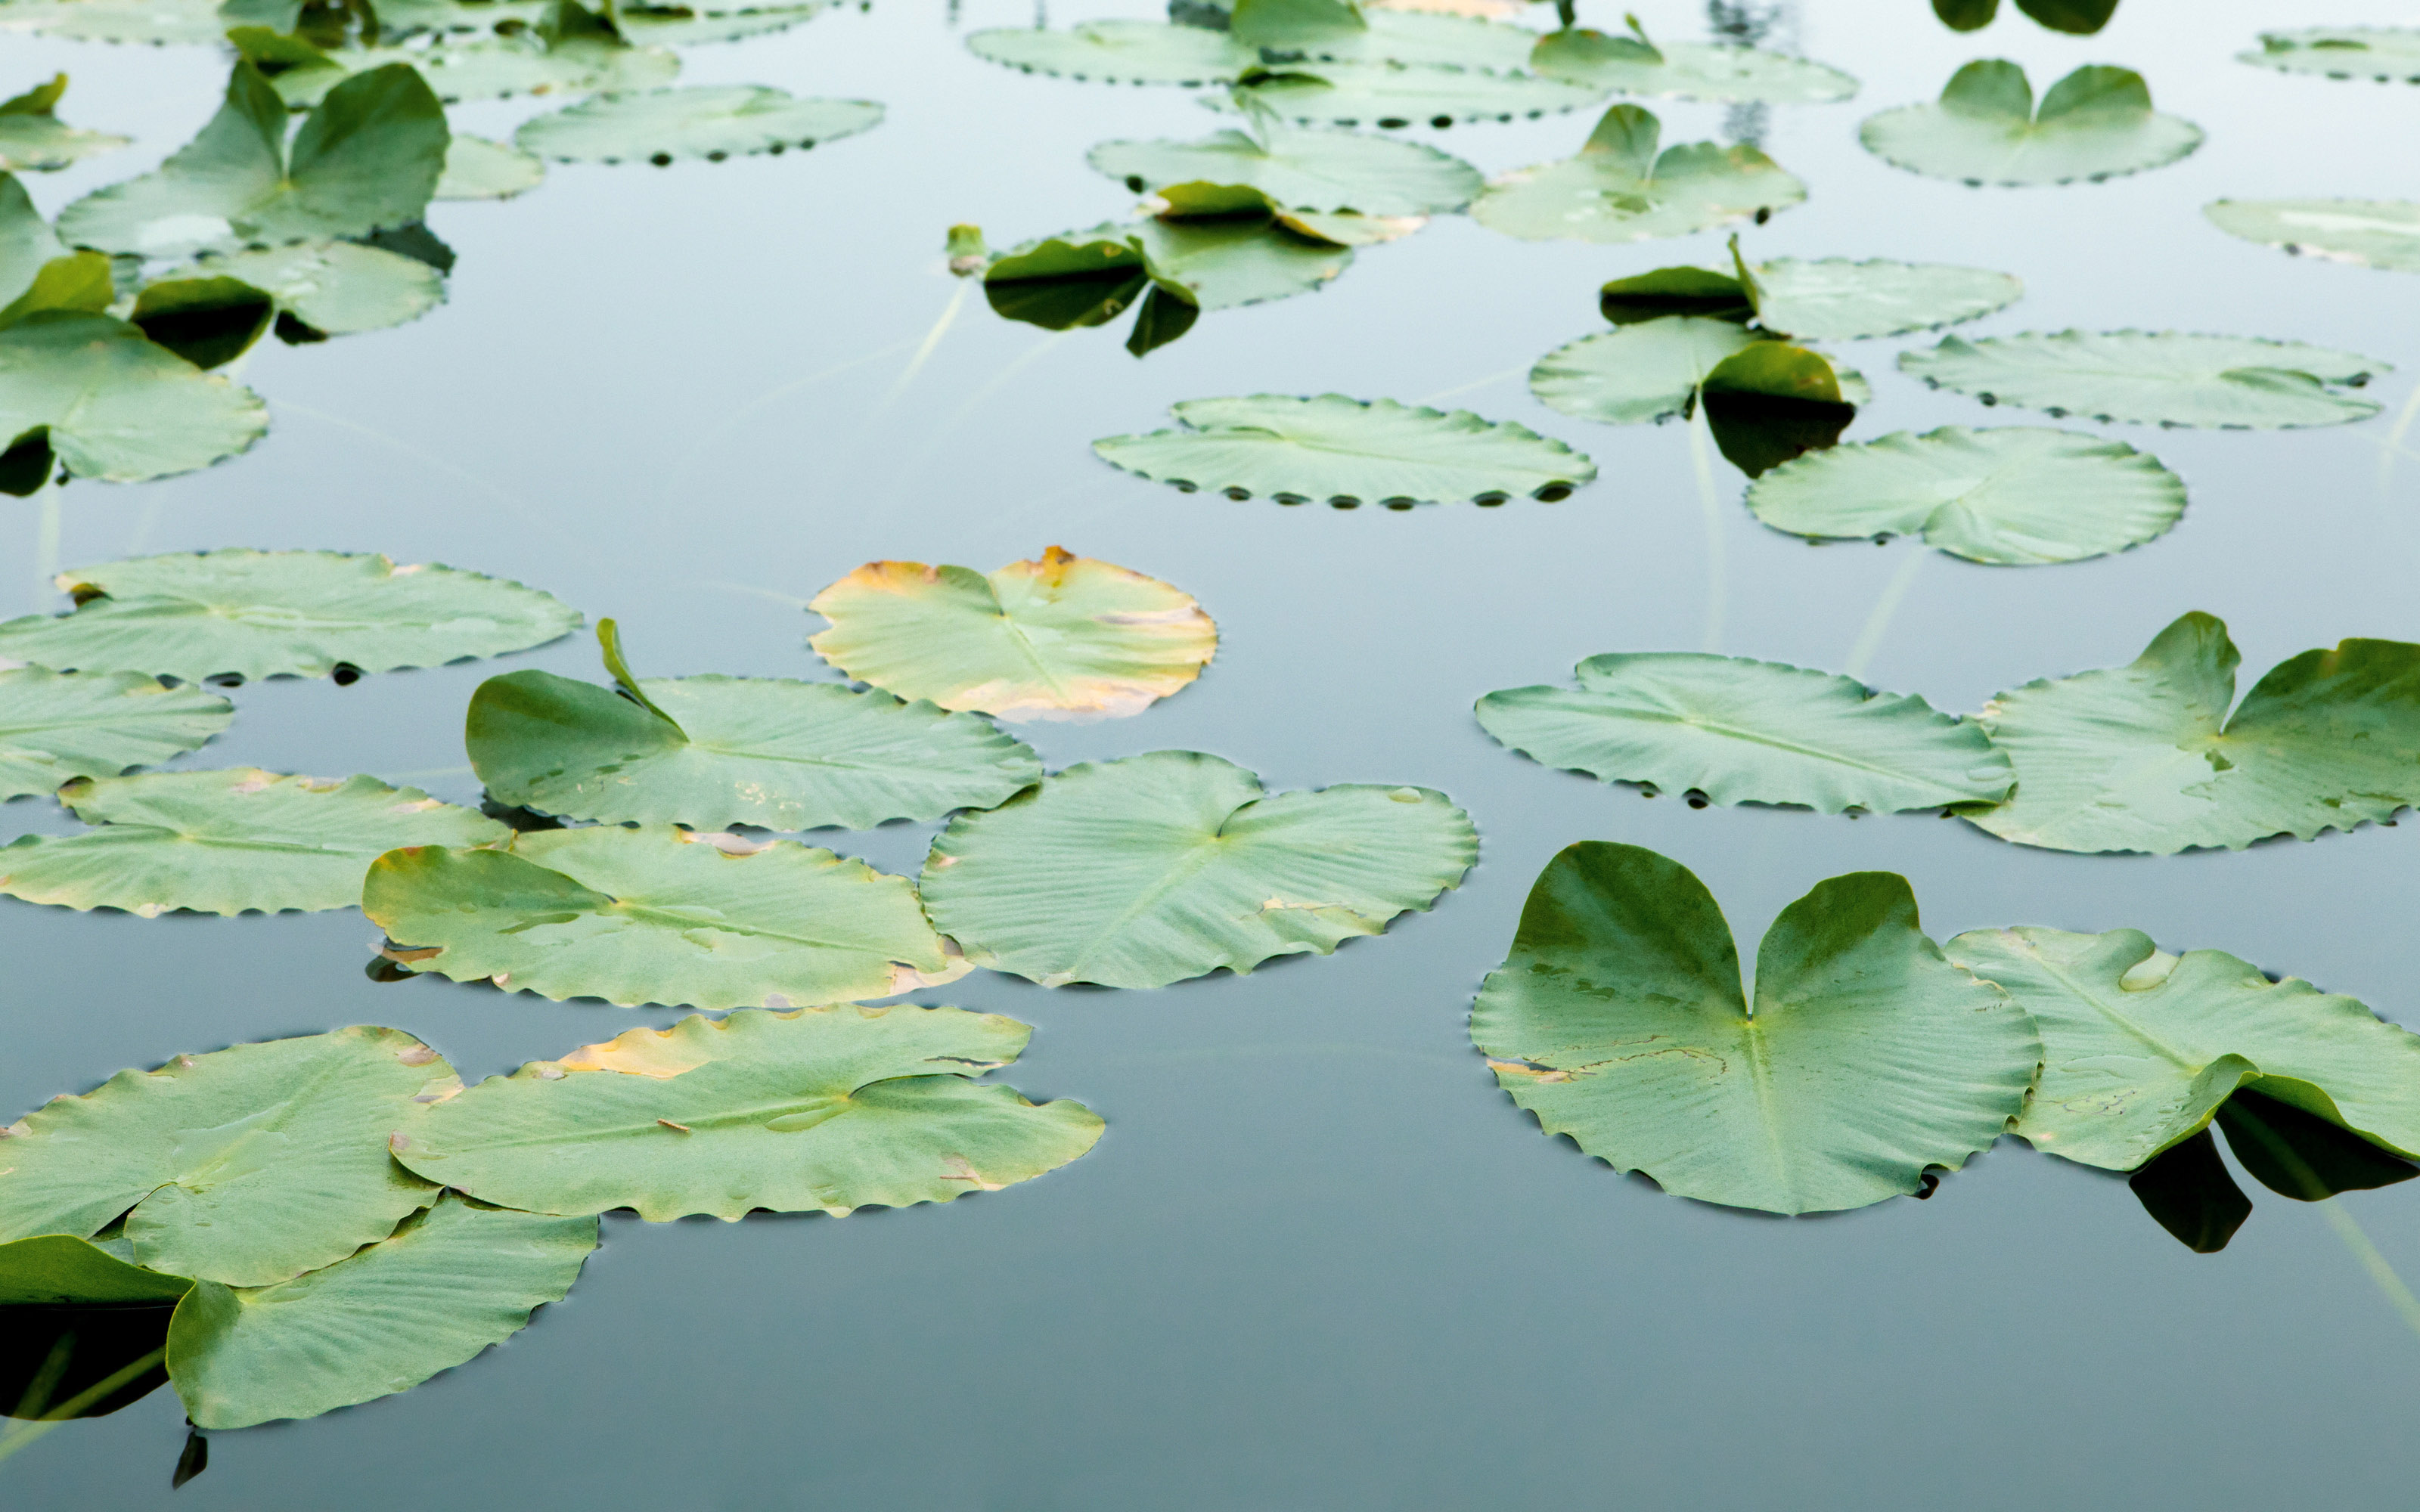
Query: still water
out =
(1318, 1260)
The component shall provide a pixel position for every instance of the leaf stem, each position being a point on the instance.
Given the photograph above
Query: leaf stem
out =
(22, 1433)
(2399, 1296)
(2393, 444)
(1869, 640)
(1700, 435)
(932, 339)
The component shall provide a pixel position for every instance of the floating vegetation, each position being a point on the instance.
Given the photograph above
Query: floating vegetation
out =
(1830, 300)
(156, 21)
(1153, 869)
(1311, 170)
(32, 136)
(1146, 52)
(1867, 1062)
(476, 168)
(333, 288)
(2014, 496)
(1120, 51)
(227, 842)
(656, 915)
(2368, 233)
(1734, 731)
(1395, 94)
(1060, 636)
(104, 401)
(708, 121)
(1635, 65)
(1620, 189)
(2096, 123)
(54, 726)
(816, 1110)
(253, 615)
(712, 751)
(2383, 53)
(2145, 758)
(2078, 18)
(2155, 378)
(1766, 401)
(1347, 452)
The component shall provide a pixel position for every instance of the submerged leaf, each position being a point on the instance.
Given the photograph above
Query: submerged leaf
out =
(1868, 1060)
(1687, 71)
(2155, 378)
(1147, 870)
(2143, 757)
(442, 1287)
(2368, 233)
(708, 121)
(2014, 496)
(227, 842)
(254, 615)
(2384, 53)
(247, 1165)
(2096, 123)
(55, 726)
(1749, 732)
(1348, 450)
(32, 136)
(1394, 95)
(115, 406)
(1059, 637)
(1314, 170)
(1618, 189)
(820, 1109)
(656, 916)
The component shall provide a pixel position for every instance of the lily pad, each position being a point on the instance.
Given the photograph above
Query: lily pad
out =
(156, 21)
(55, 726)
(712, 751)
(114, 405)
(1771, 402)
(1394, 95)
(708, 121)
(2383, 53)
(1749, 732)
(1833, 299)
(28, 244)
(2164, 377)
(2368, 233)
(1618, 189)
(247, 1165)
(336, 288)
(820, 1109)
(588, 58)
(1119, 51)
(1650, 371)
(227, 842)
(366, 159)
(2096, 123)
(1866, 1063)
(1315, 170)
(678, 25)
(2145, 758)
(476, 168)
(2013, 497)
(656, 916)
(253, 615)
(32, 136)
(1150, 869)
(442, 1287)
(1687, 71)
(1347, 451)
(1062, 637)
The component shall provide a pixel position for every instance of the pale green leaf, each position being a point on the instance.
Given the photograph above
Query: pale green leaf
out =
(1119, 51)
(1393, 95)
(335, 288)
(247, 1165)
(496, 68)
(1649, 370)
(116, 407)
(1147, 870)
(55, 726)
(679, 26)
(2383, 53)
(1314, 170)
(28, 242)
(32, 136)
(708, 121)
(476, 168)
(1221, 263)
(1869, 1059)
(2155, 378)
(2095, 124)
(658, 916)
(227, 842)
(156, 21)
(1687, 70)
(1838, 299)
(2368, 233)
(821, 1109)
(1618, 189)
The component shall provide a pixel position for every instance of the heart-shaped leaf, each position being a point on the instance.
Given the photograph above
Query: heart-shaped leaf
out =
(2096, 123)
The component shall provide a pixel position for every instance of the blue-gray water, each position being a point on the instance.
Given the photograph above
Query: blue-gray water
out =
(1318, 1261)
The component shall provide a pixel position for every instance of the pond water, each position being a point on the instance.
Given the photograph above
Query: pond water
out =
(1318, 1260)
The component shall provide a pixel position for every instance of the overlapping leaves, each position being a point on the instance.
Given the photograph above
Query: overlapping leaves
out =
(2096, 123)
(1621, 188)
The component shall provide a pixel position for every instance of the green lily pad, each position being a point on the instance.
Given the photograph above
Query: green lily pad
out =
(820, 1109)
(412, 18)
(708, 121)
(55, 726)
(254, 615)
(115, 405)
(714, 751)
(1394, 95)
(2383, 53)
(32, 136)
(157, 21)
(336, 288)
(227, 842)
(1119, 51)
(1347, 451)
(2143, 757)
(1150, 869)
(365, 160)
(476, 168)
(1771, 402)
(442, 1287)
(207, 321)
(2141, 1048)
(679, 26)
(2013, 497)
(1650, 371)
(1059, 637)
(2368, 233)
(2096, 123)
(1867, 1061)
(1315, 170)
(1687, 71)
(1620, 189)
(1224, 262)
(247, 1165)
(1749, 732)
(658, 916)
(2163, 378)
(28, 244)
(496, 68)
(1833, 299)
